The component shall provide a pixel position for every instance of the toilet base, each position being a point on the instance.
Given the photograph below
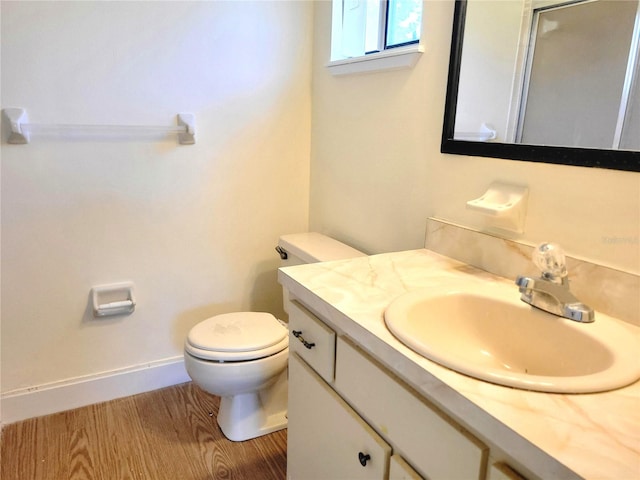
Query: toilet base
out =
(250, 415)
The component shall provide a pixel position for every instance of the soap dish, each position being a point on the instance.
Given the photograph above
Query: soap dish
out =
(504, 205)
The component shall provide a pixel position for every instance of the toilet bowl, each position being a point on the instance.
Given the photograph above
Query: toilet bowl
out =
(242, 357)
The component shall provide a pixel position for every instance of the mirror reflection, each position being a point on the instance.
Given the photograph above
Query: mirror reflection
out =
(554, 73)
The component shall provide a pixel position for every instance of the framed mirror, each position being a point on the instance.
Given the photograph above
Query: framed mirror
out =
(543, 86)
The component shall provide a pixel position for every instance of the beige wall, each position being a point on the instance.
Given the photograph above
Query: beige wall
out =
(489, 57)
(377, 171)
(194, 227)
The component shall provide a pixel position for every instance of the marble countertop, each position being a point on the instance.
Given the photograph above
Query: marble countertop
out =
(591, 436)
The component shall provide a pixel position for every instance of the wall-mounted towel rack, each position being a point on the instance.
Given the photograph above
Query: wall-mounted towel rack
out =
(20, 129)
(484, 135)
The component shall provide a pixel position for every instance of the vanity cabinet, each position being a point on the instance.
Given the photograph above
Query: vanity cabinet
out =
(527, 434)
(349, 417)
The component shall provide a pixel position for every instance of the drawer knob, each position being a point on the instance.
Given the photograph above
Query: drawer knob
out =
(298, 335)
(364, 458)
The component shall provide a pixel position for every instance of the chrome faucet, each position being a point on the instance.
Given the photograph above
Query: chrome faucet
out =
(550, 292)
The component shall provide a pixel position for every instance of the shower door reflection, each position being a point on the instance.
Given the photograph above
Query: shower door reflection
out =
(579, 87)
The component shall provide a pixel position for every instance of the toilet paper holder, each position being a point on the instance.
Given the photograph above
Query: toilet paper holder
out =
(113, 299)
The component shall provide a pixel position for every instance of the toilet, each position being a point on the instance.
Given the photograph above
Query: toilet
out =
(242, 356)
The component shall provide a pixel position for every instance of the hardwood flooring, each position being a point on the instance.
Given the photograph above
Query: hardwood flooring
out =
(169, 434)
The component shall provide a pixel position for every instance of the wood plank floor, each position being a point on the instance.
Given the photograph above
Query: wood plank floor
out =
(169, 434)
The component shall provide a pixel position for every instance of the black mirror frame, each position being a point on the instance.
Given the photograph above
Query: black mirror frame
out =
(585, 157)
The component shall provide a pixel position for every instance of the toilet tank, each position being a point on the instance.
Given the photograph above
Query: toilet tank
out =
(312, 247)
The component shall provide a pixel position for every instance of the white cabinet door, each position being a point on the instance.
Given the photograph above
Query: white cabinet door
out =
(326, 438)
(399, 469)
(502, 471)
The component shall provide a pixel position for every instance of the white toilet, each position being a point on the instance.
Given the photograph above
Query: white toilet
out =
(242, 356)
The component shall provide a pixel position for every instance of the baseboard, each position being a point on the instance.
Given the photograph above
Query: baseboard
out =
(78, 392)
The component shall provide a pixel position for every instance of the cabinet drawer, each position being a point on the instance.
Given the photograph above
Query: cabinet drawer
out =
(312, 340)
(326, 439)
(436, 446)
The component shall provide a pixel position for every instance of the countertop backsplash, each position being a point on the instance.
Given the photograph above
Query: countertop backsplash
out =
(604, 289)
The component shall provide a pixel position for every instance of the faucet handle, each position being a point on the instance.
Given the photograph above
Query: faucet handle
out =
(549, 258)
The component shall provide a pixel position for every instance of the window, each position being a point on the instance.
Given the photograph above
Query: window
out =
(366, 27)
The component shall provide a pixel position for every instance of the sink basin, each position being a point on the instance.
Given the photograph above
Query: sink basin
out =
(486, 332)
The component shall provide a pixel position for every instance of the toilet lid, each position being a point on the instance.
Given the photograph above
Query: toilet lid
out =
(237, 336)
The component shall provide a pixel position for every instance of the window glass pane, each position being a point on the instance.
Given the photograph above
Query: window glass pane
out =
(404, 20)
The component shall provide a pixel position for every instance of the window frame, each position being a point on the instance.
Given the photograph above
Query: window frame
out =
(392, 57)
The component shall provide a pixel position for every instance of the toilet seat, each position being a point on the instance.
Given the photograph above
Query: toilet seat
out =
(238, 336)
